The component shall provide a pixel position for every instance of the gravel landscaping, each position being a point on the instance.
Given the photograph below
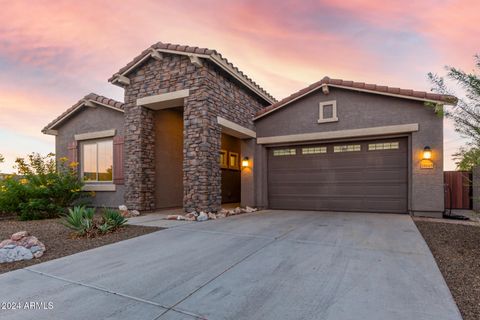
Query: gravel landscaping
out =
(59, 240)
(456, 248)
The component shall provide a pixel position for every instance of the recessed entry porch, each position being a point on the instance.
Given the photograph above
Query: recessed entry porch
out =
(236, 163)
(236, 144)
(168, 122)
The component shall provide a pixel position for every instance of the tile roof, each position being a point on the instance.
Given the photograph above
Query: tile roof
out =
(361, 86)
(183, 49)
(92, 97)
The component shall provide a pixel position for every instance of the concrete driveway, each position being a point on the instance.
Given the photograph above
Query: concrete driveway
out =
(268, 265)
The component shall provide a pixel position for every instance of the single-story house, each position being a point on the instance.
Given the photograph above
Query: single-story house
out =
(195, 132)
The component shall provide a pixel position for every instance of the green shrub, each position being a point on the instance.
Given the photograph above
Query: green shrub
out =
(12, 194)
(113, 218)
(42, 189)
(80, 220)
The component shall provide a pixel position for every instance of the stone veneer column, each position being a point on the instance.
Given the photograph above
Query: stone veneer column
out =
(140, 158)
(202, 175)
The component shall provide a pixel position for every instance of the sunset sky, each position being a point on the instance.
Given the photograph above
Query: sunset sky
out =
(52, 53)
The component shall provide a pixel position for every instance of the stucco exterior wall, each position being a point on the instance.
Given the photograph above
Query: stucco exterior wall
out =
(248, 173)
(476, 189)
(211, 93)
(91, 120)
(168, 158)
(231, 186)
(356, 110)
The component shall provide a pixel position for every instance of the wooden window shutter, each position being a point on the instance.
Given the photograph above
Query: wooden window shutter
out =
(118, 160)
(72, 151)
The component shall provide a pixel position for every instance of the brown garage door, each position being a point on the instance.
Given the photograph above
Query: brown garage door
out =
(365, 176)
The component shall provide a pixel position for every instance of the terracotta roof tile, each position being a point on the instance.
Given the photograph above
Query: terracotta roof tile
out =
(89, 97)
(381, 88)
(394, 90)
(195, 50)
(418, 94)
(407, 93)
(359, 85)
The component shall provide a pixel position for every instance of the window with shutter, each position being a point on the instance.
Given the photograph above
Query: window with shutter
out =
(118, 160)
(72, 151)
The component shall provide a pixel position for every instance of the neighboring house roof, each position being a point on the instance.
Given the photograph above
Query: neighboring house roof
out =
(359, 86)
(90, 100)
(193, 52)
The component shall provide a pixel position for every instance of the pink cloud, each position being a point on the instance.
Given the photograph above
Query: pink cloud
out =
(27, 111)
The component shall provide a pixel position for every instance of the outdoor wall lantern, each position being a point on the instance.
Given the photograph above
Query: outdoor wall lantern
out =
(426, 162)
(427, 153)
(245, 162)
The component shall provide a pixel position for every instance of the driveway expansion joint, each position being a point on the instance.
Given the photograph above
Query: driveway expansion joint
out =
(273, 240)
(247, 235)
(123, 295)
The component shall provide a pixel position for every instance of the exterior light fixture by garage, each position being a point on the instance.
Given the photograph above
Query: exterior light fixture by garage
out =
(427, 153)
(245, 162)
(426, 162)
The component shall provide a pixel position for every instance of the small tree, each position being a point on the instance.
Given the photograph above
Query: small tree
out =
(466, 114)
(467, 158)
(42, 189)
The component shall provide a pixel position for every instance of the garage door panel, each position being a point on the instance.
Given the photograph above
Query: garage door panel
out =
(309, 176)
(332, 189)
(355, 204)
(347, 164)
(313, 176)
(365, 180)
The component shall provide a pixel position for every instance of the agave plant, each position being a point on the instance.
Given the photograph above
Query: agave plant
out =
(80, 220)
(104, 227)
(113, 218)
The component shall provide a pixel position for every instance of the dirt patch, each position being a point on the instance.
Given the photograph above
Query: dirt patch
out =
(59, 240)
(456, 249)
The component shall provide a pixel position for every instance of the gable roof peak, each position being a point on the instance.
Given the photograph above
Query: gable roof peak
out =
(362, 87)
(210, 54)
(89, 98)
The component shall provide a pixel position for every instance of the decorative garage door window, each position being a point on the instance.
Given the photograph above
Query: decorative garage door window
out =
(284, 152)
(97, 161)
(383, 146)
(347, 148)
(314, 150)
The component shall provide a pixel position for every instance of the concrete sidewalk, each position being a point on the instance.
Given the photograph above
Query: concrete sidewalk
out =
(158, 219)
(267, 265)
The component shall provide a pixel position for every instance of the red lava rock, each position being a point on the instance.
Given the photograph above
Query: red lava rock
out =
(19, 235)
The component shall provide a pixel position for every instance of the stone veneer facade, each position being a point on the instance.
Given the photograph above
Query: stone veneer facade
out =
(212, 93)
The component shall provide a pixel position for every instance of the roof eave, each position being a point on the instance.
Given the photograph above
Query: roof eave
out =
(49, 129)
